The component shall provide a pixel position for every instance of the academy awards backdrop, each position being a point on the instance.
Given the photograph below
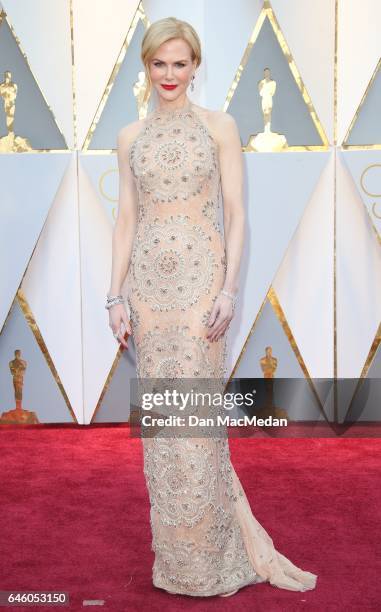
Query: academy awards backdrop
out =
(302, 80)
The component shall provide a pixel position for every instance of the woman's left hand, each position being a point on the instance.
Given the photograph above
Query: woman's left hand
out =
(220, 317)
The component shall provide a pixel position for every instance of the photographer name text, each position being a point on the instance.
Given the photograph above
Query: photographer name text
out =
(195, 421)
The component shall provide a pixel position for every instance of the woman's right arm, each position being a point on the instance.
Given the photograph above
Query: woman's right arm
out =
(124, 229)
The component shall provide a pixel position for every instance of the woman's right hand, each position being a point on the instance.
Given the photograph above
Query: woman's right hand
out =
(118, 318)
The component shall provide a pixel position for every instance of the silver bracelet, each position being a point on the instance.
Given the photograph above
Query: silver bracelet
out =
(114, 299)
(229, 295)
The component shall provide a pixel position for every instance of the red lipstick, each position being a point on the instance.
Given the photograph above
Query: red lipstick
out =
(170, 87)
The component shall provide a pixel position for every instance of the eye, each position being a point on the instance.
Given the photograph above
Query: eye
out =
(158, 63)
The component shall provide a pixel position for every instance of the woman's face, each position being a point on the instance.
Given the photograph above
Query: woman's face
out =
(172, 65)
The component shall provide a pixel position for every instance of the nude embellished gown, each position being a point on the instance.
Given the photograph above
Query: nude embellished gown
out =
(205, 538)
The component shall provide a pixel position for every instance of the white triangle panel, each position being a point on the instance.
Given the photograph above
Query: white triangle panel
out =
(99, 31)
(304, 281)
(104, 175)
(278, 188)
(99, 345)
(365, 169)
(358, 53)
(43, 28)
(52, 288)
(309, 30)
(228, 29)
(358, 277)
(29, 183)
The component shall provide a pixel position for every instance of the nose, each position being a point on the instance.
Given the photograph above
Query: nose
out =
(169, 72)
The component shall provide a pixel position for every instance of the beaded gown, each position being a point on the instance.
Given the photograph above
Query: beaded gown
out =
(205, 538)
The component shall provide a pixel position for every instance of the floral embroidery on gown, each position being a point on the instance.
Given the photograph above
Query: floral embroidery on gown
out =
(205, 538)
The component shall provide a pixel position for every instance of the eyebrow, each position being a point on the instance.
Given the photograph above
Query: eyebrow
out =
(158, 59)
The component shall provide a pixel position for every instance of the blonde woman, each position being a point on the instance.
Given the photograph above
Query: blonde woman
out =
(182, 278)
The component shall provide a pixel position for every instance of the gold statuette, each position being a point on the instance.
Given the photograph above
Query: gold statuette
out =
(11, 143)
(18, 416)
(268, 365)
(267, 140)
(139, 90)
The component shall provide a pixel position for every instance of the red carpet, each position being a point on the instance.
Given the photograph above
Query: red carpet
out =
(75, 518)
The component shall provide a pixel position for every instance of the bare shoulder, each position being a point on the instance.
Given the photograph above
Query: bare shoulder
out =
(221, 124)
(222, 117)
(128, 133)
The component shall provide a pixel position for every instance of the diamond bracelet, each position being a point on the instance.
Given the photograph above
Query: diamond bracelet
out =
(114, 299)
(229, 295)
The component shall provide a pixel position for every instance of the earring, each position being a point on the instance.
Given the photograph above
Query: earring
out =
(192, 84)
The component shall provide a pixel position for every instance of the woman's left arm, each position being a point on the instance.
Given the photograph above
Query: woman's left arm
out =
(231, 166)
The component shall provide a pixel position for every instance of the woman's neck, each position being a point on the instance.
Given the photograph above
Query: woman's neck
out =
(172, 108)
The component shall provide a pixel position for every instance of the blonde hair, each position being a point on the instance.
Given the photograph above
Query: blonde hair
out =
(160, 32)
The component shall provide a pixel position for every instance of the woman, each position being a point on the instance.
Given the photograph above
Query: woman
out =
(181, 293)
